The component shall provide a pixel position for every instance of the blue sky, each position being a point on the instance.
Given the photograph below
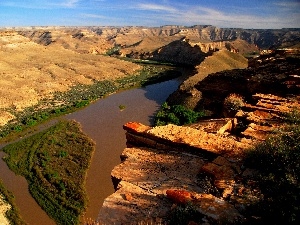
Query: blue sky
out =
(220, 13)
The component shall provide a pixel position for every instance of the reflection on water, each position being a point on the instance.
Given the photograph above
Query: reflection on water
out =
(103, 122)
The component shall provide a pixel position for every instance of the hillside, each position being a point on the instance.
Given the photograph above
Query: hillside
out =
(187, 94)
(39, 64)
(37, 71)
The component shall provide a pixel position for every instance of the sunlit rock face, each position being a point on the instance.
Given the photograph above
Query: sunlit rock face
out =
(167, 167)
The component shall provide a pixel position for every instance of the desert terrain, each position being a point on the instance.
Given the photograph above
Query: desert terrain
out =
(38, 62)
(31, 72)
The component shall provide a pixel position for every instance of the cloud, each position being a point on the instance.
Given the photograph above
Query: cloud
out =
(41, 4)
(181, 14)
(70, 3)
(94, 16)
(288, 4)
(156, 7)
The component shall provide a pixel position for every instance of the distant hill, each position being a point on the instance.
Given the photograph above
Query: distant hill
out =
(133, 38)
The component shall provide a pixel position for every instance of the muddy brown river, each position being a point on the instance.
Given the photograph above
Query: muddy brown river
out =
(103, 122)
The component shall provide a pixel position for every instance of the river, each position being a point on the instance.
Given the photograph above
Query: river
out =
(102, 121)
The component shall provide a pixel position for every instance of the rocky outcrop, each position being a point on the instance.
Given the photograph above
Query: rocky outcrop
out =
(201, 164)
(166, 167)
(179, 52)
(264, 38)
(187, 94)
(38, 36)
(278, 76)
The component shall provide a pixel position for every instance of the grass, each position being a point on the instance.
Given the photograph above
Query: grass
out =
(12, 214)
(54, 162)
(277, 161)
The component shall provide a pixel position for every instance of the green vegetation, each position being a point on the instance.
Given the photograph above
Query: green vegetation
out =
(292, 118)
(55, 162)
(80, 96)
(148, 75)
(12, 214)
(113, 51)
(277, 161)
(146, 61)
(251, 54)
(183, 214)
(122, 107)
(233, 103)
(176, 114)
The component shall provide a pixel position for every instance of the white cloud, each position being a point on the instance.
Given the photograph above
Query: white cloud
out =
(95, 16)
(191, 15)
(156, 7)
(41, 4)
(70, 3)
(288, 4)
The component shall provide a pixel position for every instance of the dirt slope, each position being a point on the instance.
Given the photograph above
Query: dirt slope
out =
(30, 71)
(187, 94)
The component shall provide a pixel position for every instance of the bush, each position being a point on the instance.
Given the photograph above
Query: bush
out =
(184, 214)
(232, 103)
(277, 161)
(113, 51)
(55, 162)
(176, 114)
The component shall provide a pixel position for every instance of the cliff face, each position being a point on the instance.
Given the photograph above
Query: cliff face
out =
(278, 76)
(141, 41)
(187, 94)
(166, 166)
(180, 52)
(264, 38)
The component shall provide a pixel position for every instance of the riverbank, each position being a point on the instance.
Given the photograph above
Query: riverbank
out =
(9, 213)
(4, 207)
(79, 96)
(168, 174)
(54, 163)
(90, 90)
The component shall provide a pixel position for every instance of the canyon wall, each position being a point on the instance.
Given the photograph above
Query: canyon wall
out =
(166, 167)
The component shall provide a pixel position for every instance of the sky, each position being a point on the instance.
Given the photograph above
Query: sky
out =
(248, 14)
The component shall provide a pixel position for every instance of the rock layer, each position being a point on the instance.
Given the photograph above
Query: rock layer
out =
(202, 164)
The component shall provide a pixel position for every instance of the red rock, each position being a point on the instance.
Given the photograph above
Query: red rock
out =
(135, 127)
(128, 197)
(223, 172)
(179, 196)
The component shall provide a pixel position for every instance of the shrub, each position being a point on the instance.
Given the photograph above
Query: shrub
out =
(81, 103)
(122, 107)
(113, 51)
(176, 114)
(232, 103)
(55, 181)
(292, 117)
(277, 161)
(184, 214)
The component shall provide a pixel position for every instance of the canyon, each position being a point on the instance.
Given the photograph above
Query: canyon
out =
(164, 166)
(202, 164)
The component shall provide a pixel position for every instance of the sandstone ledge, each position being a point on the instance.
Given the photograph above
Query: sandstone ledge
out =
(201, 163)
